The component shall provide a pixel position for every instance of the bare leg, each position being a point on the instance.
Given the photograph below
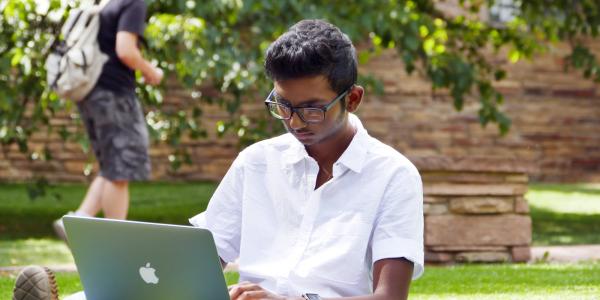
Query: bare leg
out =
(115, 199)
(91, 204)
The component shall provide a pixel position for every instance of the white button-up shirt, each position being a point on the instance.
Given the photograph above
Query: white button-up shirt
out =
(293, 239)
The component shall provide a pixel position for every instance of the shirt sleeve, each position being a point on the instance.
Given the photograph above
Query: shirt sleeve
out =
(223, 216)
(398, 231)
(133, 17)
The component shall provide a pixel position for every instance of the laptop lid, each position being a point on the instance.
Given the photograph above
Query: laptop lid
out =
(137, 260)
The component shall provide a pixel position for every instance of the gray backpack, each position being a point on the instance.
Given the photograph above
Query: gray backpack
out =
(75, 61)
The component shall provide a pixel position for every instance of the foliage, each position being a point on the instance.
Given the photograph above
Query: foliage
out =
(215, 50)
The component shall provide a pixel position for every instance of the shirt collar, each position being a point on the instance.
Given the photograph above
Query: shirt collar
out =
(353, 157)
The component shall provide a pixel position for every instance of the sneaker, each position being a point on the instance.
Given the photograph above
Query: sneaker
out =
(59, 229)
(35, 283)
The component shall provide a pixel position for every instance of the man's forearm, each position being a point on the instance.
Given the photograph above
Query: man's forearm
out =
(370, 297)
(391, 280)
(134, 60)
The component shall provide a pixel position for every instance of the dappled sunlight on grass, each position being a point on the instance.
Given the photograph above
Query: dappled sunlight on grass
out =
(34, 251)
(565, 214)
(516, 281)
(576, 198)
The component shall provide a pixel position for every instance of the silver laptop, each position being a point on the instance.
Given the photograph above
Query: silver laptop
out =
(137, 260)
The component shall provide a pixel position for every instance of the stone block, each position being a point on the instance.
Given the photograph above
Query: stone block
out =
(487, 257)
(481, 205)
(521, 253)
(475, 162)
(432, 199)
(438, 257)
(445, 189)
(521, 205)
(75, 166)
(434, 209)
(575, 93)
(466, 230)
(468, 248)
(521, 178)
(463, 177)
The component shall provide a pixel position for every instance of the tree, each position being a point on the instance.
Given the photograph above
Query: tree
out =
(221, 44)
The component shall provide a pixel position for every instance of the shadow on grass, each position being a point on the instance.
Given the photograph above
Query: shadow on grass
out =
(553, 228)
(173, 203)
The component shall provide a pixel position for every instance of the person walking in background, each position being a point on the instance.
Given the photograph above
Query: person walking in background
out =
(112, 114)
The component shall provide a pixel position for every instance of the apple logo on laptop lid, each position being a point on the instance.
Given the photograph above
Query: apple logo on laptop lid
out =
(148, 274)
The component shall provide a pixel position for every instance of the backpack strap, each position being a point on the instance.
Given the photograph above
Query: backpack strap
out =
(102, 4)
(79, 13)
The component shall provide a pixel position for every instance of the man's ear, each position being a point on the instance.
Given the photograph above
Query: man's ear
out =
(354, 98)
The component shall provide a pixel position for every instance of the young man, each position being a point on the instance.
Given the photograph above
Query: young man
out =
(324, 211)
(112, 114)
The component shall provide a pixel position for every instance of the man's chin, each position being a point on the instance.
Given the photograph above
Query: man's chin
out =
(307, 141)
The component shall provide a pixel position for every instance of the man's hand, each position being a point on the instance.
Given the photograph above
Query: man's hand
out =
(154, 77)
(247, 291)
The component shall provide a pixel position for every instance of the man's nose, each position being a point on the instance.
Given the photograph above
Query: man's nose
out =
(296, 122)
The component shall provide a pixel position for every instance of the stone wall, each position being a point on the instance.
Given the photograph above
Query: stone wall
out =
(555, 118)
(555, 115)
(475, 210)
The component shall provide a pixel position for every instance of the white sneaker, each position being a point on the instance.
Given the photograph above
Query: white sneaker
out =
(59, 229)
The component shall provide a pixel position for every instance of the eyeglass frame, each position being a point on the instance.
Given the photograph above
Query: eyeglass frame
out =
(295, 109)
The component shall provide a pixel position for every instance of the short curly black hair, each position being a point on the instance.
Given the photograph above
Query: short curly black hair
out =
(312, 48)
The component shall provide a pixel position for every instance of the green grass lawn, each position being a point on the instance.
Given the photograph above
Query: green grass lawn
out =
(517, 281)
(561, 214)
(565, 214)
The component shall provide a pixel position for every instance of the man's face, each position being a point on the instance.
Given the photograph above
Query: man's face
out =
(311, 92)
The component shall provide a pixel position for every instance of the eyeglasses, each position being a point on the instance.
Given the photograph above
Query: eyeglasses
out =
(310, 114)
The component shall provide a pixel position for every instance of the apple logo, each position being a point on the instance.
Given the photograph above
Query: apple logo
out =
(148, 275)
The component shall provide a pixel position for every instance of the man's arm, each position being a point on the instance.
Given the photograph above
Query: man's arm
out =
(391, 280)
(129, 53)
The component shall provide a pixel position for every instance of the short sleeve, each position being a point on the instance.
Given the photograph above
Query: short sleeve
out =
(398, 231)
(132, 18)
(224, 213)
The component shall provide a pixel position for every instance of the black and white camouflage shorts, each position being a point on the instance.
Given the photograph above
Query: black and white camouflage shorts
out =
(117, 131)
